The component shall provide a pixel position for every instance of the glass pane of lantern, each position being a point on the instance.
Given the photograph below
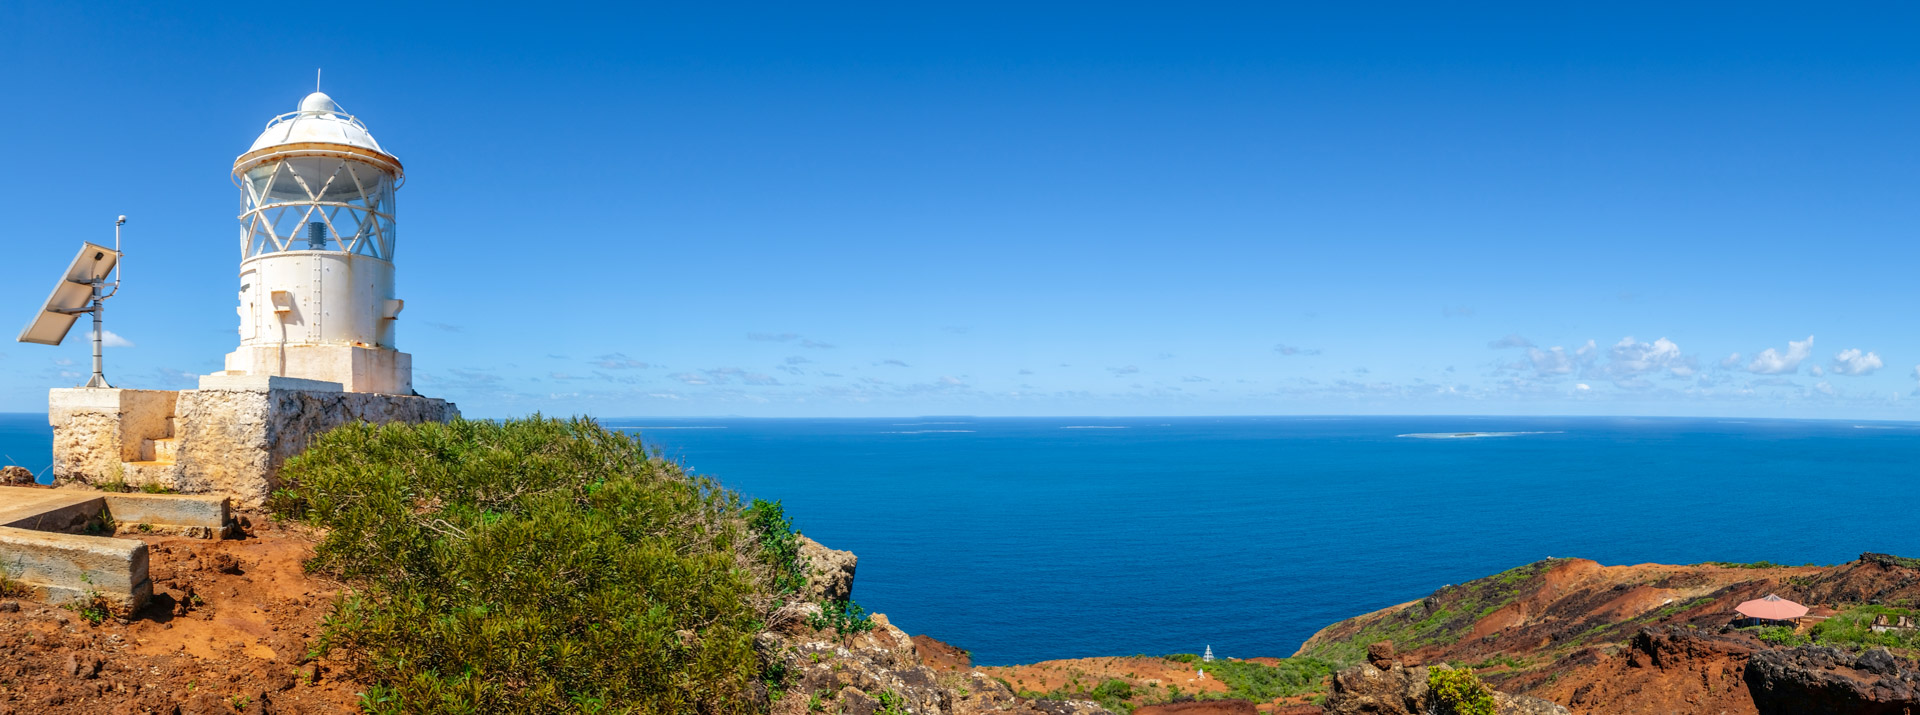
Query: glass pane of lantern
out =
(257, 178)
(285, 185)
(365, 180)
(386, 237)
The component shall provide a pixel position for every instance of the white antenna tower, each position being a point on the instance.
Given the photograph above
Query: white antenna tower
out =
(1209, 655)
(316, 79)
(85, 289)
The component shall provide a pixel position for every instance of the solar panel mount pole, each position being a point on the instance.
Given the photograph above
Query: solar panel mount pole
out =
(99, 378)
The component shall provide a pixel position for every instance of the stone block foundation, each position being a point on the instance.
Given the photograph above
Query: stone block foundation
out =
(227, 438)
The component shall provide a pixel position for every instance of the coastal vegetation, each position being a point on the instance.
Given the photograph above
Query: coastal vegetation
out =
(1853, 627)
(1748, 565)
(1460, 692)
(1263, 680)
(1438, 619)
(540, 566)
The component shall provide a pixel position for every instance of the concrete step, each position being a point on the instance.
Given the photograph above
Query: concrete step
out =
(158, 450)
(152, 471)
(165, 450)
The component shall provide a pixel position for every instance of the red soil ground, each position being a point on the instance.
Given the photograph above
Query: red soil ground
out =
(228, 632)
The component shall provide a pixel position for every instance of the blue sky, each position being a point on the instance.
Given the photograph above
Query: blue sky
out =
(1089, 209)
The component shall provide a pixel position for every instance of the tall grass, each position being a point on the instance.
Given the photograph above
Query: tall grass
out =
(536, 566)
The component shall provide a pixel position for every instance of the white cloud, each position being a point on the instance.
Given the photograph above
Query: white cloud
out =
(1557, 361)
(1285, 349)
(109, 339)
(1771, 362)
(1582, 387)
(805, 342)
(1631, 358)
(1513, 340)
(618, 361)
(1853, 362)
(1816, 371)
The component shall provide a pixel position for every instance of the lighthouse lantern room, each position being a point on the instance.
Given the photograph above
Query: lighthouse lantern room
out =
(317, 239)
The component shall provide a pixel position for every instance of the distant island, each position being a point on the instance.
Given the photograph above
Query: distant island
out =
(1470, 435)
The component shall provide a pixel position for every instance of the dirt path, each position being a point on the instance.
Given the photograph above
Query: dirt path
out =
(228, 632)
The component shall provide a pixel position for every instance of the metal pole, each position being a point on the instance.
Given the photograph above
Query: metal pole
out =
(99, 376)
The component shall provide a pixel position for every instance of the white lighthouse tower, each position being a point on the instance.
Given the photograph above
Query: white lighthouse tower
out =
(317, 312)
(316, 253)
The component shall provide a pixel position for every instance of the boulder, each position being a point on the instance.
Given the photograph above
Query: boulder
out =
(1366, 689)
(1526, 705)
(829, 572)
(10, 476)
(880, 671)
(942, 656)
(1381, 655)
(1816, 680)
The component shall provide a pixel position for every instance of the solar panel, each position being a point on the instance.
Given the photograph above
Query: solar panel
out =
(72, 296)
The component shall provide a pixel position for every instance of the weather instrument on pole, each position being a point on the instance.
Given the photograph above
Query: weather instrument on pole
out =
(83, 290)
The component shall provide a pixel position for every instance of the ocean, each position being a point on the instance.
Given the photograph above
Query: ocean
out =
(1031, 539)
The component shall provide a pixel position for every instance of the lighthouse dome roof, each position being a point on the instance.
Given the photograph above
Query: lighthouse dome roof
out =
(319, 120)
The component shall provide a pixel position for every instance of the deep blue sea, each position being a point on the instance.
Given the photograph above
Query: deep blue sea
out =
(1030, 539)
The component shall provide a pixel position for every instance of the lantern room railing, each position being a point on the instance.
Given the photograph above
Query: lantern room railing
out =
(341, 116)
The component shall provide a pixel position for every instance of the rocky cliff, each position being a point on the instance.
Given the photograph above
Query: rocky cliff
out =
(1662, 639)
(878, 670)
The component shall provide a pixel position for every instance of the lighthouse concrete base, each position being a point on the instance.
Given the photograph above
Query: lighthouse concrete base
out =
(227, 438)
(356, 368)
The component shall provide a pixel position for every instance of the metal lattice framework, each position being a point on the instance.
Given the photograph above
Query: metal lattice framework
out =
(316, 200)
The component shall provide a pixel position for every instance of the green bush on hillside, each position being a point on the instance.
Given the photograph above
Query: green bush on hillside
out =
(1853, 627)
(1460, 692)
(537, 566)
(1260, 683)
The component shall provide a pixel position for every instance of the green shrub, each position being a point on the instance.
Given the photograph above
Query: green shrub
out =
(1853, 627)
(1459, 692)
(535, 566)
(1113, 689)
(780, 545)
(1749, 565)
(1777, 635)
(844, 617)
(1261, 683)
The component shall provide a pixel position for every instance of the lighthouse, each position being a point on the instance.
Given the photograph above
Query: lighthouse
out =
(317, 311)
(317, 240)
